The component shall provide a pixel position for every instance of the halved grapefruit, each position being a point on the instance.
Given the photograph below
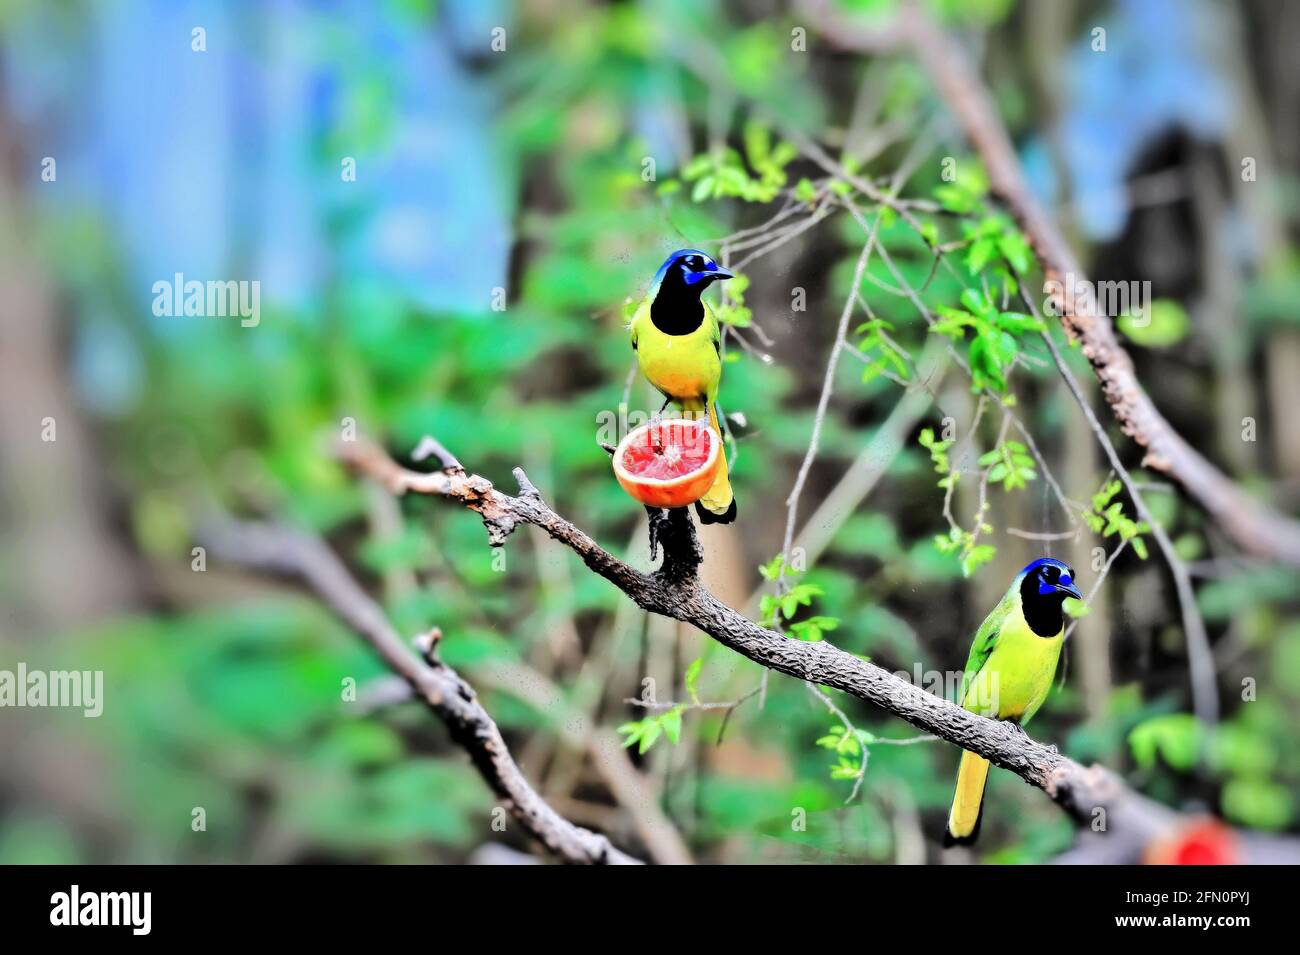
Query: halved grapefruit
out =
(668, 463)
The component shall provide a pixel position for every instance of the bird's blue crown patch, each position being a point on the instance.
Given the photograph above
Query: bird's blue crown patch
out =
(1065, 579)
(677, 256)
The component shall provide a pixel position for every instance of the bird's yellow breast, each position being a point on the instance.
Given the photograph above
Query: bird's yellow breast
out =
(1018, 673)
(683, 367)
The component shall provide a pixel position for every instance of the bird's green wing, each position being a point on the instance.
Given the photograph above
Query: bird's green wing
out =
(986, 638)
(715, 336)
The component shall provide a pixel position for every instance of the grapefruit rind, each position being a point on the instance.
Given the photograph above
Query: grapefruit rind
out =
(681, 491)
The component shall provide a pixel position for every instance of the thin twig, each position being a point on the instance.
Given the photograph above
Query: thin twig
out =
(1096, 584)
(823, 402)
(1205, 694)
(849, 728)
(1043, 535)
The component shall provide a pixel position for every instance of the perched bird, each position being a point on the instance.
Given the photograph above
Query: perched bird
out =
(678, 345)
(1009, 673)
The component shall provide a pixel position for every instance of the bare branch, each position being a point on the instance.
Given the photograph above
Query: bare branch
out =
(1200, 659)
(430, 448)
(282, 550)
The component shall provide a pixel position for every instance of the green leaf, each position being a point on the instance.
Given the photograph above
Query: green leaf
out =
(953, 323)
(845, 770)
(954, 199)
(672, 724)
(1239, 750)
(1015, 249)
(1177, 737)
(693, 677)
(632, 731)
(1102, 497)
(980, 252)
(974, 301)
(1259, 803)
(976, 557)
(697, 167)
(772, 569)
(1164, 324)
(758, 142)
(1018, 324)
(649, 734)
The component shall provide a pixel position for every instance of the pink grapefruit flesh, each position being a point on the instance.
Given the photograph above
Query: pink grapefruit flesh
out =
(668, 463)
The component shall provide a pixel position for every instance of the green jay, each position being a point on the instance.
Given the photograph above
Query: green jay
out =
(678, 345)
(1009, 673)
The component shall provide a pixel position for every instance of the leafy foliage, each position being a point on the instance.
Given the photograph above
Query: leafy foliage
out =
(994, 345)
(724, 174)
(645, 733)
(886, 357)
(1108, 519)
(1010, 464)
(849, 747)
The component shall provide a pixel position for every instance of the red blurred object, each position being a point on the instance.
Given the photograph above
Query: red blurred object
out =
(1204, 841)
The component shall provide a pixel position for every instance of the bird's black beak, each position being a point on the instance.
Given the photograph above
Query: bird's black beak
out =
(720, 274)
(1070, 591)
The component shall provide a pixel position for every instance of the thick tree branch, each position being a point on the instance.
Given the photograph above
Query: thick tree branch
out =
(1254, 526)
(281, 550)
(674, 591)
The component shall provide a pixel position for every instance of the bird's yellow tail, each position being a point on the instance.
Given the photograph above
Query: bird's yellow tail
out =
(718, 506)
(967, 801)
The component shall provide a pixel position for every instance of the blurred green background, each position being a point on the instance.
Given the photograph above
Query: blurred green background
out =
(524, 169)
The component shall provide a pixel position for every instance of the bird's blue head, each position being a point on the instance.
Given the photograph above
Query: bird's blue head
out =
(690, 268)
(1050, 576)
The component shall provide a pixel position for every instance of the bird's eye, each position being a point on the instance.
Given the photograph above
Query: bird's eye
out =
(1050, 572)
